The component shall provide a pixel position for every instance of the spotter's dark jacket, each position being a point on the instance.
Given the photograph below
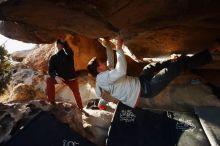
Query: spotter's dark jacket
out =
(62, 64)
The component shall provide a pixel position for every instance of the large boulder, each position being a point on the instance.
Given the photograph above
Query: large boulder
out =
(148, 27)
(26, 84)
(38, 58)
(183, 94)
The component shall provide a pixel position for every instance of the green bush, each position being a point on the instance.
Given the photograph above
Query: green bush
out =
(5, 69)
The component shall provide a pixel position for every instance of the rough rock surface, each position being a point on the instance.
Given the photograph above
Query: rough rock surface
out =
(38, 58)
(153, 27)
(26, 83)
(20, 55)
(183, 94)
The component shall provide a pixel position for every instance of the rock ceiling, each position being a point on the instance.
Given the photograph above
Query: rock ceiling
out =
(154, 27)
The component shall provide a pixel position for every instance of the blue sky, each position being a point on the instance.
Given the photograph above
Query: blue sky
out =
(14, 45)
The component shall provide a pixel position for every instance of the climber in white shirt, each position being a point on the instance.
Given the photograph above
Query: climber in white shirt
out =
(153, 79)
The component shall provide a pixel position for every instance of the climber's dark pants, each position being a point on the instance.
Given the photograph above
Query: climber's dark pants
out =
(152, 84)
(73, 85)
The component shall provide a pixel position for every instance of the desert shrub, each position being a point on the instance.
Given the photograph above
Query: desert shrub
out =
(5, 69)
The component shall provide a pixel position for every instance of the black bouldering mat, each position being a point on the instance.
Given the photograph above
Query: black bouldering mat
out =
(137, 127)
(46, 130)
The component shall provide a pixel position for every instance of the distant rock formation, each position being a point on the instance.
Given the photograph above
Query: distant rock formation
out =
(38, 58)
(20, 55)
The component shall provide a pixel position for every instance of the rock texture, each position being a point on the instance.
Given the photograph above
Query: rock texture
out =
(38, 58)
(183, 94)
(149, 27)
(26, 84)
(20, 55)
